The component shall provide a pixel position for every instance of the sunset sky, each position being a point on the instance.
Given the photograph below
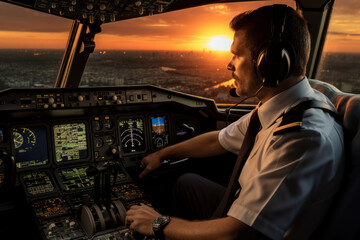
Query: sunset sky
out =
(191, 29)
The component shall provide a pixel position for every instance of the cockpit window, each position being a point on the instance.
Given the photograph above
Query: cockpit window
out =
(31, 47)
(186, 50)
(341, 56)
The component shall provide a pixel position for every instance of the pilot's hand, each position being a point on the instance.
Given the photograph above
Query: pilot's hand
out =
(139, 218)
(151, 162)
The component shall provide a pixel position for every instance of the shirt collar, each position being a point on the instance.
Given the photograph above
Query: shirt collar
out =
(270, 111)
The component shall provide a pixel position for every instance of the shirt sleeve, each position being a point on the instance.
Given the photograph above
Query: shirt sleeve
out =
(294, 166)
(232, 136)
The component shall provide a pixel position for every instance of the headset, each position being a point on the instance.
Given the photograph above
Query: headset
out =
(275, 60)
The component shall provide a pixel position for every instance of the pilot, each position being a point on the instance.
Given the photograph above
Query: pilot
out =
(295, 164)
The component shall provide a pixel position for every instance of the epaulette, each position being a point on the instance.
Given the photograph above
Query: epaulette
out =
(292, 120)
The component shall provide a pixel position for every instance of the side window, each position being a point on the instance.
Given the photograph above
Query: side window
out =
(340, 62)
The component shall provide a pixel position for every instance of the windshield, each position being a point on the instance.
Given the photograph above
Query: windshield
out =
(185, 50)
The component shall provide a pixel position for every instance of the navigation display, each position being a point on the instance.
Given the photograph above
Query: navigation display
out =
(159, 131)
(75, 178)
(132, 135)
(30, 145)
(70, 142)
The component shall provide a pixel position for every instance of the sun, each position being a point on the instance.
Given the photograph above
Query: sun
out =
(220, 43)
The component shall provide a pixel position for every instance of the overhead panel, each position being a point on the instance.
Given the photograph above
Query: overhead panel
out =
(98, 11)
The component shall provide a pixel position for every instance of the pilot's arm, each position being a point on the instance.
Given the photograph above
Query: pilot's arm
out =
(140, 219)
(202, 146)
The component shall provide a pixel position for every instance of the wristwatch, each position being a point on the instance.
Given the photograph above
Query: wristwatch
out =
(158, 226)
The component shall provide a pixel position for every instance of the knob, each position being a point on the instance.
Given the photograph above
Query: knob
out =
(91, 19)
(52, 226)
(62, 105)
(54, 105)
(46, 106)
(102, 7)
(90, 6)
(114, 98)
(113, 150)
(80, 98)
(73, 2)
(102, 17)
(72, 224)
(51, 100)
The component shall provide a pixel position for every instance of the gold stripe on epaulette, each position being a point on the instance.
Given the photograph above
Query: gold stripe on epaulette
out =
(290, 125)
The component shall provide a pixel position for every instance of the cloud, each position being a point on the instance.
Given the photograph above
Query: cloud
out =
(345, 34)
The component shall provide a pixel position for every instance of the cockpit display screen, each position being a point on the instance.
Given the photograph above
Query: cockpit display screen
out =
(30, 145)
(159, 131)
(132, 135)
(70, 142)
(75, 178)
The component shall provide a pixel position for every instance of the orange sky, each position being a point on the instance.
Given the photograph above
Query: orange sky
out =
(189, 29)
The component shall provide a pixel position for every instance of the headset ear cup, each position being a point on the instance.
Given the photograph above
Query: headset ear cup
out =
(273, 64)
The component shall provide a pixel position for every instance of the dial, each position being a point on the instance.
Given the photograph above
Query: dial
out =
(99, 142)
(24, 138)
(18, 139)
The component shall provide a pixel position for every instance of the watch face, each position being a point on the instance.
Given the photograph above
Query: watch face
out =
(159, 224)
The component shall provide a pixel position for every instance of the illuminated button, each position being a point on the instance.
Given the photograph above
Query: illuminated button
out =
(73, 2)
(114, 98)
(118, 102)
(62, 105)
(46, 106)
(54, 105)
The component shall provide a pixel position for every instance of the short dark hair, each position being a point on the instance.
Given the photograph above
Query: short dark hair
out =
(257, 26)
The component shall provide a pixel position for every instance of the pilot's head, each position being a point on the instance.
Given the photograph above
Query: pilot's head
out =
(270, 44)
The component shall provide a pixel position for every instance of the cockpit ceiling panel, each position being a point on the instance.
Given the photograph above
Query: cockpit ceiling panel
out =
(98, 11)
(104, 11)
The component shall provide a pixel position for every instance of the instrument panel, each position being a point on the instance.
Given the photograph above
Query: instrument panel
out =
(57, 136)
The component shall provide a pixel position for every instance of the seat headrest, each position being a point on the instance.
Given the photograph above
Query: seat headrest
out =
(348, 107)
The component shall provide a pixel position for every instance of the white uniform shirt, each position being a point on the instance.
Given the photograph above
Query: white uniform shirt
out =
(289, 179)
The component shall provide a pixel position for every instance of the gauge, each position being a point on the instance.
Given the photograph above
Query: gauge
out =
(132, 135)
(110, 140)
(31, 146)
(24, 139)
(99, 142)
(18, 139)
(159, 131)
